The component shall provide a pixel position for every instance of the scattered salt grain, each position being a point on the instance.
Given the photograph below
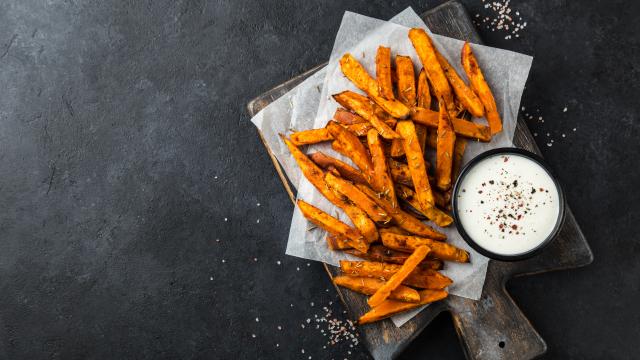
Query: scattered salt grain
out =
(225, 219)
(223, 260)
(253, 335)
(312, 303)
(574, 129)
(211, 278)
(258, 221)
(257, 320)
(565, 109)
(217, 240)
(255, 259)
(279, 327)
(297, 269)
(563, 135)
(215, 177)
(549, 144)
(501, 18)
(258, 204)
(278, 262)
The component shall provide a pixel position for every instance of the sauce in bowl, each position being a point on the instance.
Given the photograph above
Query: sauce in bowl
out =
(507, 204)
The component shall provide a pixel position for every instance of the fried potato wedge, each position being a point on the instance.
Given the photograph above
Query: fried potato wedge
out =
(346, 171)
(391, 307)
(346, 117)
(361, 106)
(464, 94)
(354, 71)
(333, 225)
(316, 177)
(420, 278)
(397, 278)
(382, 253)
(360, 199)
(434, 214)
(382, 182)
(415, 160)
(383, 72)
(352, 148)
(406, 80)
(369, 286)
(402, 218)
(481, 88)
(400, 173)
(462, 127)
(444, 150)
(440, 250)
(423, 92)
(313, 136)
(339, 242)
(427, 54)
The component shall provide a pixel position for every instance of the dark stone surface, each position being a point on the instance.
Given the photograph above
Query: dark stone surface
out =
(124, 145)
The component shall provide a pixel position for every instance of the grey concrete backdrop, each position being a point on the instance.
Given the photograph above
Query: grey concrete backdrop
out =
(141, 218)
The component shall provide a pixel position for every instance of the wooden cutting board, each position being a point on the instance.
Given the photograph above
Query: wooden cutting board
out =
(492, 327)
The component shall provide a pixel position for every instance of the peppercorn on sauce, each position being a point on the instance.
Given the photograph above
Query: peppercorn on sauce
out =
(508, 204)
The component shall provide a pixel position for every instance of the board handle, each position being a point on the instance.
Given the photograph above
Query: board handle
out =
(493, 327)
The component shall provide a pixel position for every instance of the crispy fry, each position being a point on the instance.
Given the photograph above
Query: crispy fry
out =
(382, 182)
(462, 127)
(481, 88)
(420, 278)
(315, 176)
(444, 150)
(339, 242)
(382, 253)
(361, 200)
(415, 159)
(369, 286)
(346, 117)
(353, 70)
(361, 106)
(312, 136)
(392, 307)
(406, 80)
(434, 214)
(383, 72)
(464, 94)
(458, 154)
(346, 171)
(403, 219)
(400, 172)
(353, 148)
(440, 250)
(427, 54)
(424, 94)
(333, 225)
(396, 279)
(396, 149)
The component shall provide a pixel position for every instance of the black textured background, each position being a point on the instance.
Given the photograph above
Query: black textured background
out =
(124, 146)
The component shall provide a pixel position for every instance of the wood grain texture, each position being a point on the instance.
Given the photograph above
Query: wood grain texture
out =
(492, 327)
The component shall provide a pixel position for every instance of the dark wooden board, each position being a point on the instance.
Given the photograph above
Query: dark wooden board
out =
(492, 327)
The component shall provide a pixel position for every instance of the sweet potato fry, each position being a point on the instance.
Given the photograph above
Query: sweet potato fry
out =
(396, 279)
(316, 177)
(464, 94)
(397, 149)
(382, 182)
(361, 200)
(424, 94)
(481, 88)
(462, 127)
(346, 171)
(427, 54)
(354, 71)
(353, 148)
(333, 225)
(312, 136)
(346, 117)
(458, 154)
(361, 106)
(339, 242)
(420, 278)
(406, 80)
(403, 219)
(444, 150)
(383, 72)
(369, 286)
(382, 253)
(415, 160)
(400, 173)
(434, 214)
(440, 250)
(392, 307)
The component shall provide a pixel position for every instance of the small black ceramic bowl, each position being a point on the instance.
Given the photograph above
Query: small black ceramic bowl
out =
(476, 246)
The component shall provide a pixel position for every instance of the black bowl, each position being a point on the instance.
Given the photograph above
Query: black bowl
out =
(480, 249)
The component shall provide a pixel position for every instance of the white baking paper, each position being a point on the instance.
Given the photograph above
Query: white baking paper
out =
(309, 105)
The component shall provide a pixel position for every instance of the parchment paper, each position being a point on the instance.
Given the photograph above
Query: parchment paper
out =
(309, 106)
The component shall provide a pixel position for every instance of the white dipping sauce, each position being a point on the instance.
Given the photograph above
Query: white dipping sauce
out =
(508, 204)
